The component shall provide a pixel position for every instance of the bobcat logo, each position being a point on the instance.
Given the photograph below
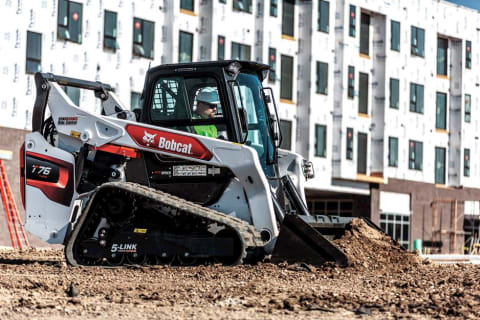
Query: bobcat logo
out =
(149, 138)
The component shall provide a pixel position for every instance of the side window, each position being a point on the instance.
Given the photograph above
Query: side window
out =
(221, 48)
(395, 37)
(185, 47)
(468, 55)
(241, 51)
(34, 52)
(272, 63)
(273, 8)
(69, 21)
(143, 36)
(135, 100)
(418, 41)
(286, 128)
(351, 82)
(247, 91)
(110, 30)
(394, 93)
(288, 18)
(352, 21)
(169, 100)
(187, 5)
(468, 108)
(350, 143)
(243, 5)
(189, 104)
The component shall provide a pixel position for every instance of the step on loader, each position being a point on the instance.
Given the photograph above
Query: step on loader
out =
(194, 176)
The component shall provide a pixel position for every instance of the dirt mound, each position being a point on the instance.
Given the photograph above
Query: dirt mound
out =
(370, 248)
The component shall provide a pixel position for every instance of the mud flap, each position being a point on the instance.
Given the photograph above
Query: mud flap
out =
(300, 242)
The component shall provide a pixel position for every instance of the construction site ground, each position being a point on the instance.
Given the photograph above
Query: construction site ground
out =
(382, 282)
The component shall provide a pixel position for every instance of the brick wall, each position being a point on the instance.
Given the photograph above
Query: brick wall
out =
(425, 200)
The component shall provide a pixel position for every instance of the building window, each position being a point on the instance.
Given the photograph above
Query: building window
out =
(394, 93)
(322, 77)
(352, 21)
(363, 93)
(323, 16)
(362, 153)
(288, 17)
(392, 152)
(349, 143)
(34, 52)
(110, 30)
(185, 48)
(442, 56)
(332, 207)
(143, 36)
(365, 34)
(466, 162)
(286, 130)
(351, 82)
(396, 226)
(69, 21)
(415, 155)
(223, 1)
(135, 100)
(468, 108)
(272, 63)
(221, 48)
(418, 41)
(187, 5)
(320, 141)
(243, 5)
(395, 36)
(416, 97)
(440, 154)
(273, 8)
(240, 51)
(286, 77)
(73, 93)
(441, 113)
(468, 55)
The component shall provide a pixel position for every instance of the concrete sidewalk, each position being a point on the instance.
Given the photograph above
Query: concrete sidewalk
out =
(452, 258)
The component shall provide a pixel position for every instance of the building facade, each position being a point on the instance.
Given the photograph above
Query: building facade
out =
(380, 95)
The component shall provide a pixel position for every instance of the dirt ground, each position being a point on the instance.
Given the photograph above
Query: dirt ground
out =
(381, 282)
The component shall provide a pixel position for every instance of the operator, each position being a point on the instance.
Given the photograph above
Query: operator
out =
(207, 103)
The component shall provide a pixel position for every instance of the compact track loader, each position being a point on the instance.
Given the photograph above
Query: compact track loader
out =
(153, 186)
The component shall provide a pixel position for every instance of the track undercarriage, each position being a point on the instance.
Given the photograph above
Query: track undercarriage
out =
(126, 223)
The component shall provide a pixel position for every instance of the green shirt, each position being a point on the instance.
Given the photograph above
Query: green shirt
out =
(208, 130)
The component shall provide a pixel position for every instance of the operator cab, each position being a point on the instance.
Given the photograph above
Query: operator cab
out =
(221, 99)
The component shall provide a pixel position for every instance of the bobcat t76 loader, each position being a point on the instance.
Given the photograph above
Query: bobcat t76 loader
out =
(165, 184)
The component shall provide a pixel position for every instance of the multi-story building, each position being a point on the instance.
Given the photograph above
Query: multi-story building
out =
(379, 95)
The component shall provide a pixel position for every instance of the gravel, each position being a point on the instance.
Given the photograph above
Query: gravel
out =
(382, 281)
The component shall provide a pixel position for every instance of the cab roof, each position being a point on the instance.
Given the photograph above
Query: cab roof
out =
(191, 66)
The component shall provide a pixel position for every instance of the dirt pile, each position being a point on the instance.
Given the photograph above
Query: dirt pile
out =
(369, 248)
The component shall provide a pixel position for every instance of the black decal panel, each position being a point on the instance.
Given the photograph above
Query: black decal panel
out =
(42, 170)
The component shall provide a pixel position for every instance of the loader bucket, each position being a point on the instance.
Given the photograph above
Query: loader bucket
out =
(299, 241)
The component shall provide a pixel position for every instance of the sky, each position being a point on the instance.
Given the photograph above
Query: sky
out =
(468, 3)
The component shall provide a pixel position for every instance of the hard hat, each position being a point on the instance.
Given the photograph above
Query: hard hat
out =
(208, 95)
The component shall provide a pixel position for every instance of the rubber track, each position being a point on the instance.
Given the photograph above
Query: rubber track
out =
(250, 236)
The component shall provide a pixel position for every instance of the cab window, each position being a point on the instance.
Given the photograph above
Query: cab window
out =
(248, 95)
(189, 104)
